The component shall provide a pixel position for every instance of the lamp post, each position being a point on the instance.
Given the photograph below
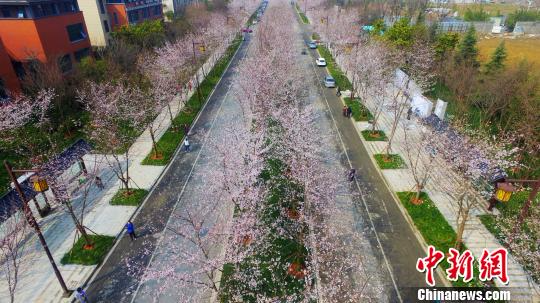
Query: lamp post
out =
(202, 48)
(33, 223)
(503, 193)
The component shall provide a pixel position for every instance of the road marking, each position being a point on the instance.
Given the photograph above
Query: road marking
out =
(205, 140)
(356, 182)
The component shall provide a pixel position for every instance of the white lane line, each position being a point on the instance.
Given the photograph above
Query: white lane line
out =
(357, 184)
(205, 140)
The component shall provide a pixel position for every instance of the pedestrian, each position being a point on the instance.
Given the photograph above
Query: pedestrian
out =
(187, 147)
(349, 111)
(352, 174)
(131, 230)
(186, 128)
(409, 113)
(99, 183)
(338, 93)
(345, 109)
(80, 294)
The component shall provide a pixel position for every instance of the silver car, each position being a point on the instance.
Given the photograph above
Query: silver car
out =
(329, 81)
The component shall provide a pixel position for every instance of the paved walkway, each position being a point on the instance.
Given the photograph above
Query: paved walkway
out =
(476, 236)
(37, 282)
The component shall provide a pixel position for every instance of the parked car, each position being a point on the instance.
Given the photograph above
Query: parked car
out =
(320, 62)
(312, 45)
(329, 81)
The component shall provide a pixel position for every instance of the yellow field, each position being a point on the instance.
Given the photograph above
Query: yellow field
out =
(491, 8)
(517, 50)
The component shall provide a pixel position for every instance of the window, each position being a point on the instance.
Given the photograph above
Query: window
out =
(115, 18)
(145, 12)
(106, 26)
(65, 63)
(76, 32)
(6, 12)
(157, 10)
(21, 13)
(3, 92)
(101, 7)
(19, 69)
(133, 16)
(85, 52)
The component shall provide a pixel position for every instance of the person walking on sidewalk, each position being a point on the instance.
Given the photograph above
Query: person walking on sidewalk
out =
(80, 295)
(186, 129)
(352, 174)
(409, 113)
(131, 230)
(349, 111)
(344, 110)
(99, 183)
(338, 93)
(186, 145)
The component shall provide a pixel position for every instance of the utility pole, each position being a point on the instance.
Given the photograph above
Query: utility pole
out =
(33, 223)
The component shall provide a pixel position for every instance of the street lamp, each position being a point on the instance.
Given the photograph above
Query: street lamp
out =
(503, 193)
(202, 49)
(40, 184)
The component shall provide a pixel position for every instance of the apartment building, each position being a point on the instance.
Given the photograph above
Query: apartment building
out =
(97, 21)
(175, 6)
(8, 77)
(129, 12)
(42, 30)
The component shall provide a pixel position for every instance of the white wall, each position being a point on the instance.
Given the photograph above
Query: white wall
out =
(94, 21)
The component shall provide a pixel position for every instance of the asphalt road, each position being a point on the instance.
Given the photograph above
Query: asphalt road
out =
(398, 247)
(115, 280)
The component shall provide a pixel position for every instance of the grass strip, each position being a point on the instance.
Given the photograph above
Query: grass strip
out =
(391, 161)
(170, 140)
(133, 199)
(79, 255)
(341, 79)
(359, 111)
(275, 253)
(305, 20)
(435, 230)
(377, 135)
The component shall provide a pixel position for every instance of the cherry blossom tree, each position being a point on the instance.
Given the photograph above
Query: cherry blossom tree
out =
(13, 232)
(117, 116)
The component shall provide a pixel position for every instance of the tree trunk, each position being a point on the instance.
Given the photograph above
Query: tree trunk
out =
(154, 143)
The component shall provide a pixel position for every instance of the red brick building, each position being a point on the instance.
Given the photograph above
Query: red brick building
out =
(43, 30)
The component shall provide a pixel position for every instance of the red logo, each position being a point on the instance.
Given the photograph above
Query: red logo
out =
(429, 263)
(491, 265)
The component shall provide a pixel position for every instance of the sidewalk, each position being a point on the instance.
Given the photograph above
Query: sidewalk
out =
(37, 282)
(476, 237)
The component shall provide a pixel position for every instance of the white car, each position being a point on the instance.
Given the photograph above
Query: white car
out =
(320, 62)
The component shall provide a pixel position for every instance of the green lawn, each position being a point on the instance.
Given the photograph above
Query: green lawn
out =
(133, 199)
(170, 140)
(79, 255)
(359, 111)
(392, 161)
(377, 135)
(305, 19)
(434, 229)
